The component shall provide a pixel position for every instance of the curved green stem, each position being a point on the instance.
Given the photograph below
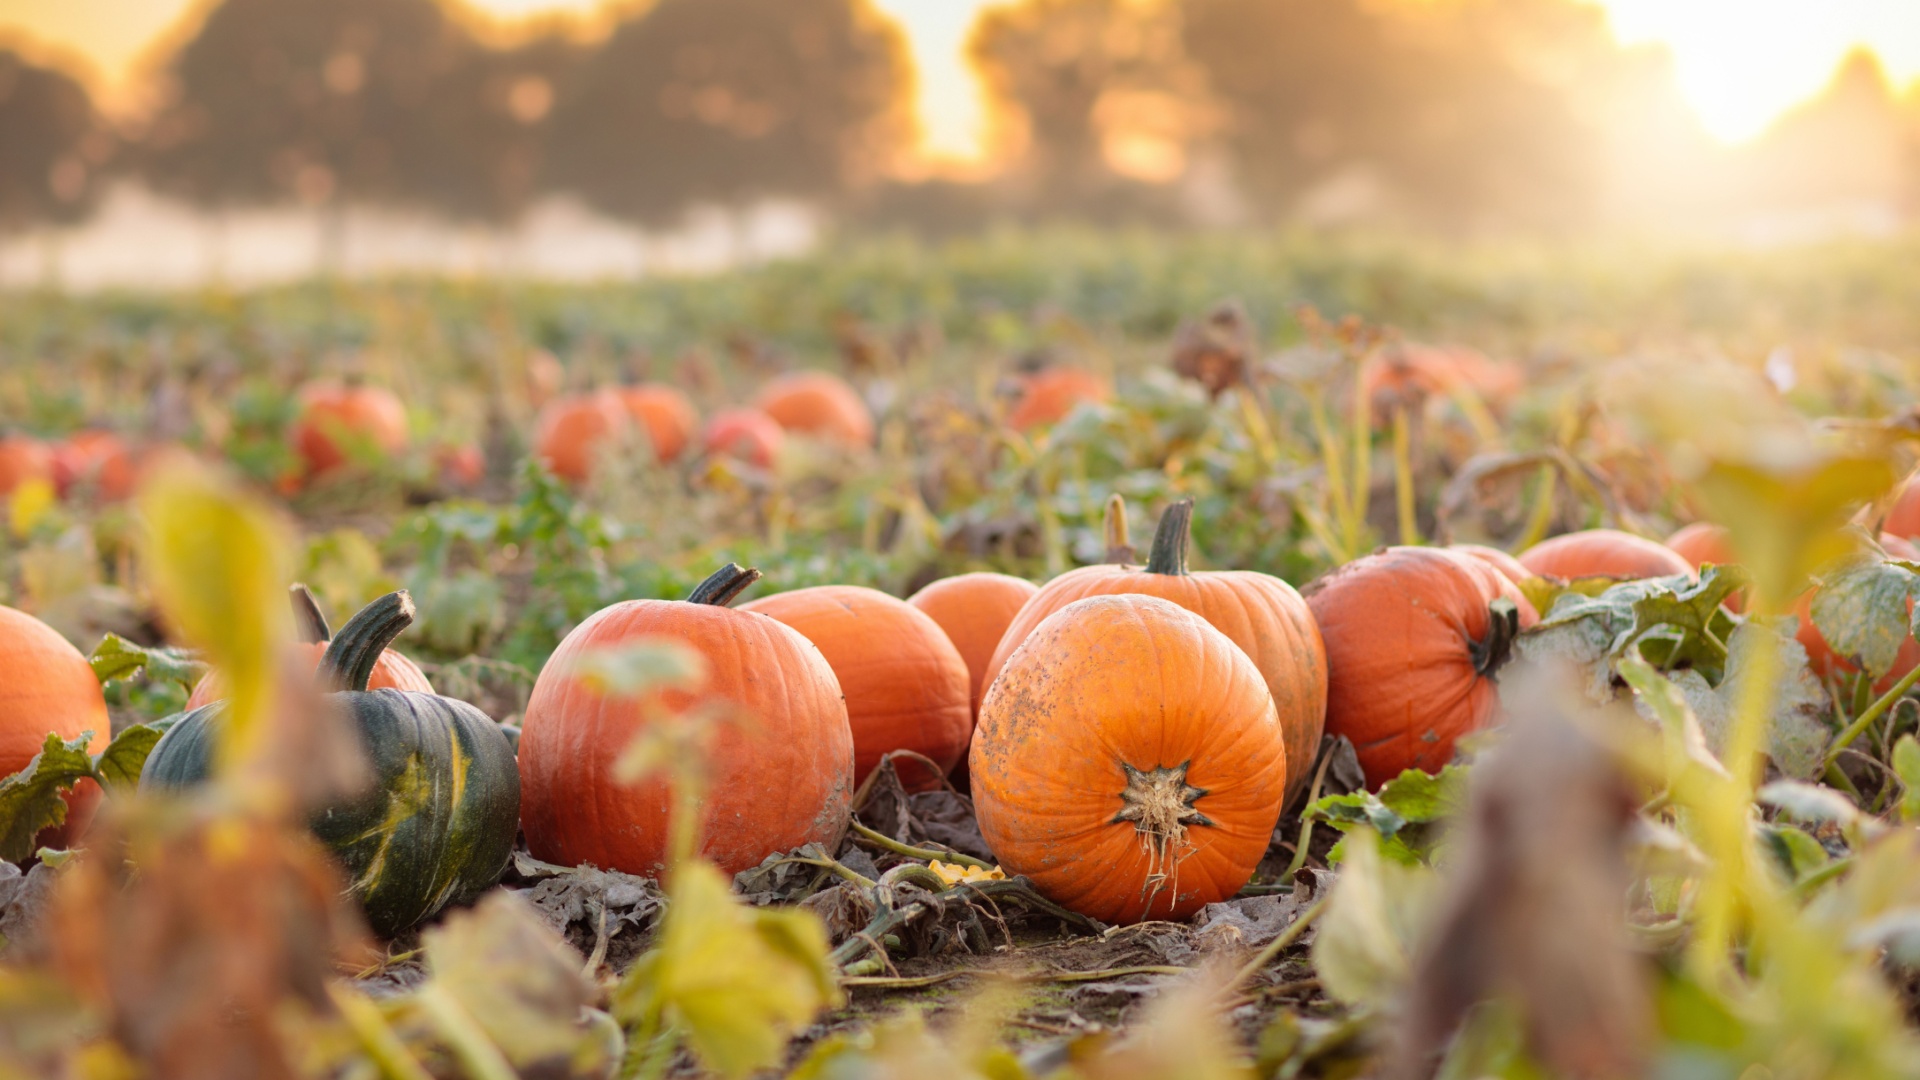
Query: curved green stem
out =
(887, 843)
(1171, 539)
(349, 660)
(1874, 712)
(1278, 945)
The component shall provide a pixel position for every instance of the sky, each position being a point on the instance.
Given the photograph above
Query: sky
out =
(1740, 62)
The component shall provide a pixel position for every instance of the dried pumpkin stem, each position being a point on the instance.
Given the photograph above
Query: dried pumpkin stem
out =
(1171, 539)
(307, 616)
(349, 660)
(724, 586)
(1119, 545)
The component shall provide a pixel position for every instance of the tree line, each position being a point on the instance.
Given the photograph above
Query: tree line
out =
(1456, 114)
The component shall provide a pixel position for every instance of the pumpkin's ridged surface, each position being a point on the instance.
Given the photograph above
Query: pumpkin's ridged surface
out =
(975, 611)
(1508, 566)
(46, 686)
(1602, 553)
(906, 686)
(781, 777)
(1400, 626)
(1116, 682)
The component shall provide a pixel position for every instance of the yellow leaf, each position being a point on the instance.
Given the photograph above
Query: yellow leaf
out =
(218, 562)
(954, 873)
(29, 503)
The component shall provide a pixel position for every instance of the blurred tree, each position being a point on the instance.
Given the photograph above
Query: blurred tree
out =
(493, 110)
(52, 145)
(725, 101)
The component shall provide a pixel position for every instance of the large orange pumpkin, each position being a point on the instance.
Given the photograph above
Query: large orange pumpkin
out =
(975, 611)
(747, 434)
(1046, 397)
(1413, 646)
(391, 671)
(1704, 544)
(1820, 655)
(1129, 761)
(780, 773)
(48, 688)
(667, 415)
(906, 685)
(337, 421)
(575, 431)
(1602, 553)
(1258, 612)
(1508, 566)
(819, 405)
(23, 459)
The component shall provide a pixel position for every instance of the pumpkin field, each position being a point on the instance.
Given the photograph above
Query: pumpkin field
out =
(1067, 655)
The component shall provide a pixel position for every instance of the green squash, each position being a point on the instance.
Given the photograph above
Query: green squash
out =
(436, 826)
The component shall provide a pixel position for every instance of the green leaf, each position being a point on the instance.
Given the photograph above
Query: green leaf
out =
(1865, 610)
(735, 982)
(1906, 765)
(119, 765)
(117, 658)
(30, 799)
(1405, 813)
(1794, 853)
(1364, 947)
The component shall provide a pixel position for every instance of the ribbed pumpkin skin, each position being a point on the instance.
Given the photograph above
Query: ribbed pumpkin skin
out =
(435, 828)
(1398, 626)
(391, 672)
(1261, 614)
(667, 415)
(1903, 520)
(1508, 566)
(780, 778)
(47, 687)
(1046, 397)
(333, 416)
(23, 459)
(1602, 553)
(1702, 543)
(820, 405)
(747, 434)
(975, 611)
(906, 686)
(572, 431)
(1113, 681)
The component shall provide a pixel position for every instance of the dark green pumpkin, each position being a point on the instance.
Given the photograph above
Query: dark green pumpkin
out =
(437, 824)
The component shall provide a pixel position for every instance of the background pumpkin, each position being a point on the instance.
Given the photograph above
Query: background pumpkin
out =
(1129, 761)
(975, 610)
(906, 686)
(98, 460)
(780, 778)
(747, 434)
(1820, 655)
(1258, 612)
(335, 420)
(1412, 651)
(1602, 553)
(23, 459)
(1508, 566)
(1903, 518)
(1046, 397)
(574, 431)
(667, 415)
(48, 688)
(437, 824)
(392, 671)
(819, 405)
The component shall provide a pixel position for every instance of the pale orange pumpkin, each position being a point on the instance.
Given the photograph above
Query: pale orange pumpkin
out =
(1508, 566)
(975, 611)
(667, 415)
(575, 431)
(818, 405)
(1046, 397)
(336, 421)
(746, 434)
(23, 459)
(1602, 553)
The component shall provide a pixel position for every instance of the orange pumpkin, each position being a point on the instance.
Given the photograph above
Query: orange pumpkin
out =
(1405, 375)
(906, 686)
(48, 689)
(99, 461)
(747, 434)
(1413, 646)
(779, 776)
(1129, 761)
(461, 465)
(819, 405)
(1508, 566)
(667, 415)
(575, 431)
(1703, 544)
(1903, 520)
(975, 611)
(1820, 656)
(1258, 612)
(1046, 397)
(23, 459)
(337, 421)
(1602, 553)
(391, 671)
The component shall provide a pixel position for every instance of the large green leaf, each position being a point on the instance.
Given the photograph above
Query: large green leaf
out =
(117, 658)
(1865, 609)
(1364, 947)
(30, 799)
(1405, 813)
(119, 765)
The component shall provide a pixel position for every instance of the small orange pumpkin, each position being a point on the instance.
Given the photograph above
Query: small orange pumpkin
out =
(747, 434)
(575, 431)
(336, 420)
(391, 671)
(1602, 553)
(906, 686)
(779, 778)
(99, 461)
(1258, 612)
(819, 405)
(49, 689)
(1046, 397)
(1413, 645)
(667, 415)
(1129, 761)
(975, 611)
(23, 459)
(1508, 566)
(1903, 520)
(1704, 544)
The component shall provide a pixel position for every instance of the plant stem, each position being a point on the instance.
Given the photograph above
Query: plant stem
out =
(887, 843)
(1874, 712)
(1278, 945)
(1403, 479)
(1306, 820)
(386, 1049)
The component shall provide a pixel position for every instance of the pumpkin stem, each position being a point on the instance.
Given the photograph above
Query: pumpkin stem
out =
(724, 586)
(1119, 545)
(349, 661)
(1170, 540)
(1159, 803)
(307, 616)
(1492, 653)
